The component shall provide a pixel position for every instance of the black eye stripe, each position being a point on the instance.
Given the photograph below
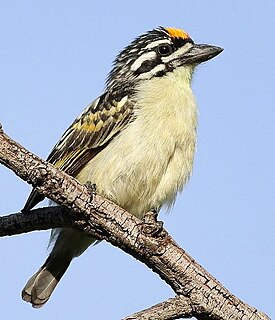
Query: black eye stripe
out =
(147, 66)
(162, 50)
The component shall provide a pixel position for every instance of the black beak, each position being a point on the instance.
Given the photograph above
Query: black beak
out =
(199, 53)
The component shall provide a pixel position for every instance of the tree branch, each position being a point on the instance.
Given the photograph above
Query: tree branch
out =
(37, 219)
(174, 308)
(147, 241)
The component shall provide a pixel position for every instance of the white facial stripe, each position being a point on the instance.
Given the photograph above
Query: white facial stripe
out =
(177, 53)
(142, 58)
(156, 43)
(151, 73)
(133, 50)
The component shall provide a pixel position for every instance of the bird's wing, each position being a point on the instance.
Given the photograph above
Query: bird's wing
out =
(95, 127)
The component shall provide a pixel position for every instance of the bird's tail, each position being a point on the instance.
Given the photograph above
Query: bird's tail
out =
(68, 243)
(40, 286)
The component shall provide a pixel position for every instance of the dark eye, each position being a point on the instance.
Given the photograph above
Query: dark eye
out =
(164, 50)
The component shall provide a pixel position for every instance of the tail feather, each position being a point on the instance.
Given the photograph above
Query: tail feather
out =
(68, 244)
(26, 292)
(32, 201)
(40, 286)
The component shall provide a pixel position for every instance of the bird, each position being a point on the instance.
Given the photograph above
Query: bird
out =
(136, 141)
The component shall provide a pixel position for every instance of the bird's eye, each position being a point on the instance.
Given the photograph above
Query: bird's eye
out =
(164, 50)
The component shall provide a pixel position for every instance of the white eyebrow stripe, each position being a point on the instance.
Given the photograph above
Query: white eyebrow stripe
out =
(177, 53)
(133, 50)
(151, 73)
(156, 43)
(145, 56)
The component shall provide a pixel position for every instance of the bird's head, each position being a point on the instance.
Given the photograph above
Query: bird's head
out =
(156, 53)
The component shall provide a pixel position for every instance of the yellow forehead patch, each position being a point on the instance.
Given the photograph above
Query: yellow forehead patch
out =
(177, 33)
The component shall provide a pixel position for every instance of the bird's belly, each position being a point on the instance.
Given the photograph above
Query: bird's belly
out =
(141, 176)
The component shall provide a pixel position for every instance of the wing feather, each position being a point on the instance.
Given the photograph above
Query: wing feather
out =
(91, 131)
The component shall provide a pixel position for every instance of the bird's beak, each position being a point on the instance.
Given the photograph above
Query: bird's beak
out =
(199, 53)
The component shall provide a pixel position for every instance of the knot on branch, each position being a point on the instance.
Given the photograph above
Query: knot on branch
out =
(38, 175)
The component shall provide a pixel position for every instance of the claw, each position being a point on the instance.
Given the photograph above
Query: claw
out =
(91, 186)
(153, 226)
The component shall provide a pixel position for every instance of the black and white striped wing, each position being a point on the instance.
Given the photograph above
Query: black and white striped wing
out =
(96, 126)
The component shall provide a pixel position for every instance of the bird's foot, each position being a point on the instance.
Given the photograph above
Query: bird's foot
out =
(152, 225)
(91, 187)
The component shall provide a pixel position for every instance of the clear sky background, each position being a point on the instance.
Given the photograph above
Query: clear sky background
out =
(54, 58)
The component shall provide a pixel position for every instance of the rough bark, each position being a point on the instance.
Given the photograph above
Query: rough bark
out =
(198, 293)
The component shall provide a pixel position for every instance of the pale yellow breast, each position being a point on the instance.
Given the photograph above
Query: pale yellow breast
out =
(151, 160)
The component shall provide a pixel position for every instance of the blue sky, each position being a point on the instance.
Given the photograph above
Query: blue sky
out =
(54, 59)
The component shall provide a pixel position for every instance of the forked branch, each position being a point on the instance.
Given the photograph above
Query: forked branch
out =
(198, 293)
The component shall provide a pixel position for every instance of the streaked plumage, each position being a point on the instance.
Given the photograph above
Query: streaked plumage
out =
(136, 142)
